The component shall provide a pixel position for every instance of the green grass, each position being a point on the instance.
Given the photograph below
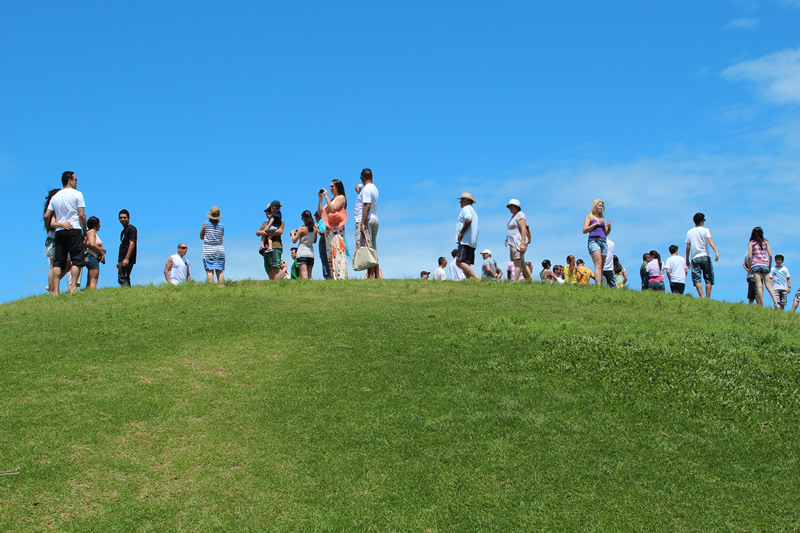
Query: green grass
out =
(398, 405)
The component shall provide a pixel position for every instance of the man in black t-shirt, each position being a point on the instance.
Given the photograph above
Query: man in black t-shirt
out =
(127, 249)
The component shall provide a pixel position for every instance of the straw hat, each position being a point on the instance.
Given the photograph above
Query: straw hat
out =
(213, 213)
(467, 196)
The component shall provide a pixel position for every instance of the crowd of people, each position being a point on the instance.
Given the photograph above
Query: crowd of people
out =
(73, 243)
(608, 271)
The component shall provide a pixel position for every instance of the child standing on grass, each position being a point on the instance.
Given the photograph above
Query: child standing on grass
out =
(781, 283)
(273, 224)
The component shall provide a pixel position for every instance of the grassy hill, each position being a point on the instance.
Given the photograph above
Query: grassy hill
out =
(399, 405)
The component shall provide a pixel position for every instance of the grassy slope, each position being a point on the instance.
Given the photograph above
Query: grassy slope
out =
(416, 405)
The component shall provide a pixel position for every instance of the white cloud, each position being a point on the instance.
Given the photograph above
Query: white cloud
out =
(746, 23)
(776, 76)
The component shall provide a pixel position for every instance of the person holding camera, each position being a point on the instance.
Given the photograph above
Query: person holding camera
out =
(334, 214)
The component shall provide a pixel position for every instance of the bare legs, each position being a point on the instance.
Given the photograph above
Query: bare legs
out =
(467, 270)
(521, 269)
(93, 276)
(763, 280)
(220, 276)
(599, 260)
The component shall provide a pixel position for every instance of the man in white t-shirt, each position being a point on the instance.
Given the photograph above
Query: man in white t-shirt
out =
(177, 269)
(675, 269)
(67, 213)
(608, 268)
(698, 239)
(367, 218)
(456, 274)
(439, 274)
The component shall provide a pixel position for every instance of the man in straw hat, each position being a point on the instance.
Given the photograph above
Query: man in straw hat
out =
(467, 235)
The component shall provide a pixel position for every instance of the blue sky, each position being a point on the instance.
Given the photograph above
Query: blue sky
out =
(168, 108)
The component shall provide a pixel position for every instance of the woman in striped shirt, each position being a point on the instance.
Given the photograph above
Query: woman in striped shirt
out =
(213, 251)
(759, 257)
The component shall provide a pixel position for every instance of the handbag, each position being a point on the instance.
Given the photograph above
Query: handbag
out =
(366, 257)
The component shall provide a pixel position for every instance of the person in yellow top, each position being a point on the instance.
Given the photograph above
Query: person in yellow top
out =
(570, 270)
(584, 275)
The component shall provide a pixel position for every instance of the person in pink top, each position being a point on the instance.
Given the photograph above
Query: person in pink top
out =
(759, 256)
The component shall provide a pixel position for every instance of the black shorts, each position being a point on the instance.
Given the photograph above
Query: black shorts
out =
(751, 289)
(308, 261)
(68, 242)
(466, 254)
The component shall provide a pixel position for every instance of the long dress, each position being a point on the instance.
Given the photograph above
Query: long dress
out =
(334, 241)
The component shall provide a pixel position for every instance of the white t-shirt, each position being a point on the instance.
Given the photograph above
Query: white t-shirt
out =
(697, 239)
(677, 269)
(513, 234)
(471, 235)
(369, 195)
(65, 205)
(609, 265)
(180, 267)
(779, 277)
(359, 209)
(440, 274)
(456, 274)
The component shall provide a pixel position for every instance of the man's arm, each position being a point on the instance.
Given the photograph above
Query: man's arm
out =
(688, 249)
(464, 228)
(716, 253)
(365, 216)
(188, 274)
(82, 218)
(167, 269)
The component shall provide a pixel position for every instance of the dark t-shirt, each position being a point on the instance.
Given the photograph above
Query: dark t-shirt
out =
(128, 234)
(276, 239)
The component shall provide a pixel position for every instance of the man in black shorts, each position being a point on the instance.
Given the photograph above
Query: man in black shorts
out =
(66, 212)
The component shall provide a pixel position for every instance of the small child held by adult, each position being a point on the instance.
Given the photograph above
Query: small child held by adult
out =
(274, 224)
(781, 283)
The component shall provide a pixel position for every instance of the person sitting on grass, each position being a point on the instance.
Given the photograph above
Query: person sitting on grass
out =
(547, 275)
(585, 274)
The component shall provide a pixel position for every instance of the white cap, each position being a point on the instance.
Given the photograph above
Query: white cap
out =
(486, 251)
(513, 201)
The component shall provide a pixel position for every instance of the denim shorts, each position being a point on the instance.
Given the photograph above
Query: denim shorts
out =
(92, 263)
(597, 244)
(308, 261)
(760, 269)
(655, 285)
(702, 269)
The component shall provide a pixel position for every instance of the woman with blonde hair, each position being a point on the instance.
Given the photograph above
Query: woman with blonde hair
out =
(598, 229)
(759, 257)
(334, 215)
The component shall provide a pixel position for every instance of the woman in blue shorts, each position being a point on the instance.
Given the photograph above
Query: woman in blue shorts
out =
(95, 253)
(598, 229)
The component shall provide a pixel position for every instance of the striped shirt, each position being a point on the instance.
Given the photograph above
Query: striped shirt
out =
(759, 254)
(212, 241)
